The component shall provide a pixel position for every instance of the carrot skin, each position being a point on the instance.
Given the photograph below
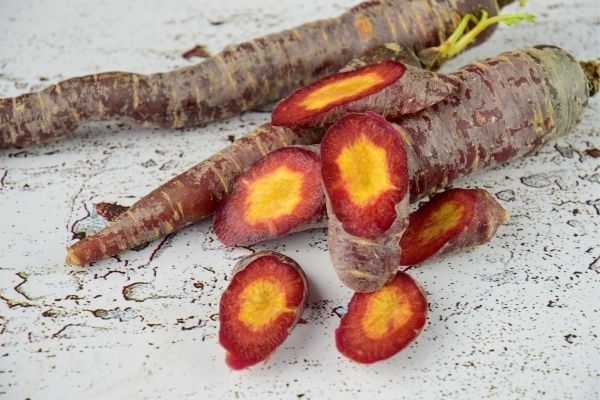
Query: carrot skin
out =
(505, 107)
(239, 78)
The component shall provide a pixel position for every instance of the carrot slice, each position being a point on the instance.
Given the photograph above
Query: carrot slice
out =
(271, 198)
(303, 106)
(365, 173)
(381, 323)
(259, 308)
(452, 220)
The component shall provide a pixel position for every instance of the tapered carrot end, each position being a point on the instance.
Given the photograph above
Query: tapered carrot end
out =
(435, 223)
(277, 194)
(308, 106)
(365, 173)
(72, 259)
(381, 323)
(260, 306)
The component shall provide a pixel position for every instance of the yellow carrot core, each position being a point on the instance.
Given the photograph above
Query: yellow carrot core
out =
(261, 303)
(440, 221)
(363, 167)
(387, 311)
(341, 89)
(274, 195)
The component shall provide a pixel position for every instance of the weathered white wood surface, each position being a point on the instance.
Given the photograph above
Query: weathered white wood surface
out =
(518, 318)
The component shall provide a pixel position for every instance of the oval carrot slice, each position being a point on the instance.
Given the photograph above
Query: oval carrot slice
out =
(381, 323)
(259, 308)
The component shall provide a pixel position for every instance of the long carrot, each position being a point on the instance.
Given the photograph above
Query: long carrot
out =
(239, 78)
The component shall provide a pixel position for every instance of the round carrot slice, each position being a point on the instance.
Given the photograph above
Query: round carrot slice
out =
(381, 323)
(365, 173)
(278, 193)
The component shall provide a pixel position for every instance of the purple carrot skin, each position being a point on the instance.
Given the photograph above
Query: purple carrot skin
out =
(195, 194)
(239, 78)
(506, 107)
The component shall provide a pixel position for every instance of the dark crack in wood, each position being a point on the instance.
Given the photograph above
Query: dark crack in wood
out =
(2, 178)
(154, 253)
(15, 303)
(18, 288)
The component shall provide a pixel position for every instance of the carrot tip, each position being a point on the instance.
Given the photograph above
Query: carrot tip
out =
(72, 259)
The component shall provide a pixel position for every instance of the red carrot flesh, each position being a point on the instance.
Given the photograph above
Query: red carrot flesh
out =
(239, 78)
